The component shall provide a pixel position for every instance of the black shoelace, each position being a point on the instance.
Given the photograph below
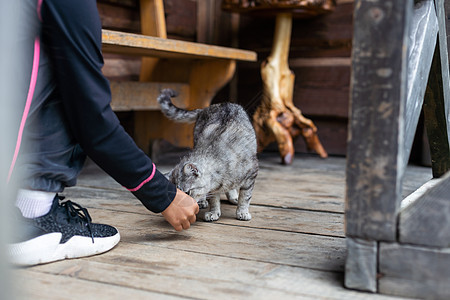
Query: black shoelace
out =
(79, 214)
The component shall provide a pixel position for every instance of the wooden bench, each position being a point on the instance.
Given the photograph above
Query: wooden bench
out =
(400, 64)
(196, 71)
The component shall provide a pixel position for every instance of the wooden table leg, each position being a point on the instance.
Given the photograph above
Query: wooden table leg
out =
(277, 119)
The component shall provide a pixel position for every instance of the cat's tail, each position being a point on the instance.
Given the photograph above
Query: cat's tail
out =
(175, 113)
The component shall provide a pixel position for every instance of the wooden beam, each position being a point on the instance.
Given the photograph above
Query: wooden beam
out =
(423, 36)
(416, 272)
(377, 100)
(426, 221)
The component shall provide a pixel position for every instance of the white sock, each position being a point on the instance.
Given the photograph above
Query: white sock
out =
(34, 204)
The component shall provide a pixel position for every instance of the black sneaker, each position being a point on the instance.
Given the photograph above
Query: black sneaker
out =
(65, 232)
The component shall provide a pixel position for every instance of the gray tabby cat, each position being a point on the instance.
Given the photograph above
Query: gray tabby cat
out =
(223, 158)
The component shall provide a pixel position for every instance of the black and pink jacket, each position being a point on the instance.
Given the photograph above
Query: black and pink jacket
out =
(66, 107)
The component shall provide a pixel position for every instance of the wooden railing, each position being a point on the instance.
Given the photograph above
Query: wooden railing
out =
(399, 66)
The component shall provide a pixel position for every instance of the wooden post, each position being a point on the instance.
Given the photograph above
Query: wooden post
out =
(410, 246)
(378, 97)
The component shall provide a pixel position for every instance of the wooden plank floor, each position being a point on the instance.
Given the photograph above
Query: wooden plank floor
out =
(293, 248)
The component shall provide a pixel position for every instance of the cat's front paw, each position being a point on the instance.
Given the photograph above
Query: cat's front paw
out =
(243, 215)
(211, 216)
(202, 204)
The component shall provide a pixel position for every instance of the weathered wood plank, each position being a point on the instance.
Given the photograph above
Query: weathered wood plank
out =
(271, 246)
(147, 267)
(378, 96)
(309, 184)
(307, 190)
(427, 221)
(361, 265)
(206, 260)
(419, 192)
(158, 278)
(40, 285)
(135, 44)
(423, 36)
(273, 218)
(417, 272)
(130, 95)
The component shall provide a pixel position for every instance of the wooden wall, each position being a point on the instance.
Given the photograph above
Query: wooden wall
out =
(320, 57)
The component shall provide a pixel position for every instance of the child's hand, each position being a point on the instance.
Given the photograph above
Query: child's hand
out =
(181, 213)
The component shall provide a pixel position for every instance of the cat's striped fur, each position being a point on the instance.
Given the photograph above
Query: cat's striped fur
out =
(223, 158)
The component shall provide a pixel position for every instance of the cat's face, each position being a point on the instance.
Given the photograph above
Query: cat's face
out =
(188, 178)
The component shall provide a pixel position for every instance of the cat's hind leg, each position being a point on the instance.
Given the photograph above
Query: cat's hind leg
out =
(214, 209)
(245, 195)
(232, 196)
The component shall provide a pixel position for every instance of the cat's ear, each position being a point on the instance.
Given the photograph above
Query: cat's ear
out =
(191, 169)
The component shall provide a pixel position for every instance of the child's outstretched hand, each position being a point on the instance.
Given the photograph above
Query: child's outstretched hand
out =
(181, 213)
